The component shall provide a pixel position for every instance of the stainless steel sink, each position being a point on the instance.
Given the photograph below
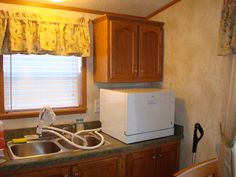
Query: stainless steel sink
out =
(67, 145)
(38, 148)
(32, 149)
(92, 140)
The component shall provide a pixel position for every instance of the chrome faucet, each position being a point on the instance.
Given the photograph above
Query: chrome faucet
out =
(50, 116)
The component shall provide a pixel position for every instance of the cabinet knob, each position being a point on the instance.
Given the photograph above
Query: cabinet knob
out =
(135, 70)
(142, 71)
(154, 157)
(160, 155)
(76, 174)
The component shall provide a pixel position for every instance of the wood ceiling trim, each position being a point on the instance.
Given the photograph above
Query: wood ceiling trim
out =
(52, 6)
(76, 9)
(162, 8)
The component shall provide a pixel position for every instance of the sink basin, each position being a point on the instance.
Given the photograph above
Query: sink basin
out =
(68, 146)
(34, 148)
(92, 140)
(49, 147)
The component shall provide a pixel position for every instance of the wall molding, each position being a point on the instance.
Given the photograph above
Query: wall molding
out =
(83, 10)
(162, 8)
(75, 9)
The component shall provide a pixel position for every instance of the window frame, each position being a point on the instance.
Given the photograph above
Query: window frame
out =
(34, 113)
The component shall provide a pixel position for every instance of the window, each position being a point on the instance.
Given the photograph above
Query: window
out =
(33, 81)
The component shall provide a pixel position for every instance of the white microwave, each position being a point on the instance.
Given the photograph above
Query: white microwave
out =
(133, 115)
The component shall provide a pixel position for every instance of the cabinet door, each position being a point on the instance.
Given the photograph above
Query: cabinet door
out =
(167, 160)
(150, 52)
(109, 167)
(49, 172)
(142, 163)
(123, 51)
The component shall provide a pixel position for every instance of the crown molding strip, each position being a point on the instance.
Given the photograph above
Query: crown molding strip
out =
(162, 8)
(76, 9)
(52, 6)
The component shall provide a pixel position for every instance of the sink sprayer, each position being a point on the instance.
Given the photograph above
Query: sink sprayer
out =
(47, 116)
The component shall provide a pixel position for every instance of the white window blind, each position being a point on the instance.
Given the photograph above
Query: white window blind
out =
(34, 81)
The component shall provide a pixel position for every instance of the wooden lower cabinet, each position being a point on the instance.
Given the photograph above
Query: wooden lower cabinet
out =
(48, 172)
(110, 167)
(167, 160)
(142, 163)
(162, 161)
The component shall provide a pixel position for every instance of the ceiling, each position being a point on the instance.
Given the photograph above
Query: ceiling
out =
(142, 8)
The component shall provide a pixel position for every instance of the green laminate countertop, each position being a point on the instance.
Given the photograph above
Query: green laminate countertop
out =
(115, 147)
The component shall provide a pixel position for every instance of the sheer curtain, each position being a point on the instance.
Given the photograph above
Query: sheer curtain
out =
(227, 48)
(228, 129)
(234, 159)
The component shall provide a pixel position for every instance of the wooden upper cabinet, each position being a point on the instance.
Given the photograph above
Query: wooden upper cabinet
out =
(127, 50)
(150, 52)
(123, 50)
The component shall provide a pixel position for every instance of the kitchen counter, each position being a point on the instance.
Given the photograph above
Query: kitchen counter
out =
(115, 147)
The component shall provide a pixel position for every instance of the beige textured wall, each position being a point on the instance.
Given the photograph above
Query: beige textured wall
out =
(194, 71)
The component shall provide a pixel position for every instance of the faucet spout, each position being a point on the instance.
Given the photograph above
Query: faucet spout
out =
(46, 114)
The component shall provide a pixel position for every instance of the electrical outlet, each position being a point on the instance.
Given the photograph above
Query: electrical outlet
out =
(96, 106)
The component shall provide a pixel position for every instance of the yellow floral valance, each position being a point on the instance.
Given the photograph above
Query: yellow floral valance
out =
(227, 36)
(37, 34)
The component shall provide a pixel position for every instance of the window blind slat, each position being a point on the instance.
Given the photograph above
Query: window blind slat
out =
(33, 81)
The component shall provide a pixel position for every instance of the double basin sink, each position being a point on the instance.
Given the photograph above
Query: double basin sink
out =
(38, 148)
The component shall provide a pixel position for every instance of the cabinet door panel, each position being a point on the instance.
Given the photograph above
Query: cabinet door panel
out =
(150, 52)
(142, 164)
(50, 172)
(109, 167)
(168, 160)
(123, 50)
